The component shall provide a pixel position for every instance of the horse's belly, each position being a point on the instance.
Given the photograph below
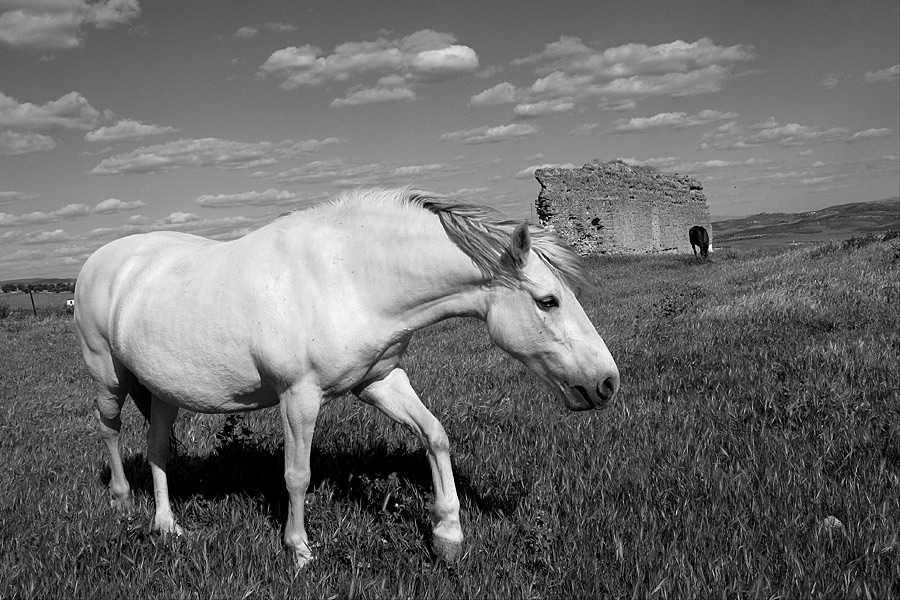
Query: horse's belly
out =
(210, 403)
(207, 390)
(197, 370)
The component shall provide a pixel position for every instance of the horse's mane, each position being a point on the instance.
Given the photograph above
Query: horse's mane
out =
(479, 232)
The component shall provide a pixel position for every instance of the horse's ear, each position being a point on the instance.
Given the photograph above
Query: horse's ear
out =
(520, 244)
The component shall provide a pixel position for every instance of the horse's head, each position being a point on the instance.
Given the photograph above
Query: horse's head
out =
(541, 323)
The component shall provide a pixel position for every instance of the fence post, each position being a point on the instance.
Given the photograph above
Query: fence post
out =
(33, 307)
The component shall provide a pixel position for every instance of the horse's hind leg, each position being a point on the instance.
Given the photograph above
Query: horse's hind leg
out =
(107, 409)
(162, 417)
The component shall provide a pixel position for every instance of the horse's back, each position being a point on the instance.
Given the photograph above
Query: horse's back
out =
(698, 235)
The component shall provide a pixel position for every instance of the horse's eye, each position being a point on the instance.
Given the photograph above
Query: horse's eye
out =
(548, 302)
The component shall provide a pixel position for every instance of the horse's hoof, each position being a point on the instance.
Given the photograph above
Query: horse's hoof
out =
(447, 550)
(169, 528)
(303, 560)
(122, 504)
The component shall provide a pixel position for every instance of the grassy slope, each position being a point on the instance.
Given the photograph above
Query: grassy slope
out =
(833, 223)
(760, 396)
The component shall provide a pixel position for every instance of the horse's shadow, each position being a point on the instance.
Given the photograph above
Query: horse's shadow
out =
(376, 480)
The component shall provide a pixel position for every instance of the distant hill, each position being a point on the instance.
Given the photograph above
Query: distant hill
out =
(837, 222)
(37, 281)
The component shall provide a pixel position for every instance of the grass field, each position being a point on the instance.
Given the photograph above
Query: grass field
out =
(753, 451)
(45, 303)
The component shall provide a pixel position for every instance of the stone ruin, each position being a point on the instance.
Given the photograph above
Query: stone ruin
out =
(616, 208)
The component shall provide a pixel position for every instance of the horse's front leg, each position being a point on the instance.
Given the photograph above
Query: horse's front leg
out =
(299, 410)
(395, 397)
(162, 416)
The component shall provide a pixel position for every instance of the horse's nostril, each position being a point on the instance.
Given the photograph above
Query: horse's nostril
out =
(606, 389)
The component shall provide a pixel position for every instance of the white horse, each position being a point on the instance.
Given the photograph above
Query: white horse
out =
(317, 303)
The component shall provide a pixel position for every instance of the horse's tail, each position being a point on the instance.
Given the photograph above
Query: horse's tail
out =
(141, 397)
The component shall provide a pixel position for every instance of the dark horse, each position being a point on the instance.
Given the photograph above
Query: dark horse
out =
(699, 238)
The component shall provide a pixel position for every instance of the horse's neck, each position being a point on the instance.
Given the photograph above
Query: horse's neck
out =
(430, 278)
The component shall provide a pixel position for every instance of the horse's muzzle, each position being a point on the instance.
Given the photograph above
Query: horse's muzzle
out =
(607, 388)
(602, 394)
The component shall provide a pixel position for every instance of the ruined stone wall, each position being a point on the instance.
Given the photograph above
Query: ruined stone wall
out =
(616, 208)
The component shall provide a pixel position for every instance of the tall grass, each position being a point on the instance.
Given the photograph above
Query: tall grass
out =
(754, 450)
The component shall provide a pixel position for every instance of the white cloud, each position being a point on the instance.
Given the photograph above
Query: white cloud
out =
(277, 27)
(343, 175)
(467, 193)
(571, 55)
(771, 133)
(180, 218)
(127, 129)
(44, 237)
(618, 106)
(59, 24)
(816, 180)
(528, 172)
(869, 134)
(205, 152)
(422, 57)
(692, 83)
(22, 255)
(249, 31)
(486, 134)
(888, 74)
(221, 228)
(114, 205)
(298, 66)
(769, 123)
(13, 143)
(572, 72)
(585, 128)
(72, 251)
(660, 162)
(829, 81)
(308, 146)
(70, 111)
(502, 93)
(70, 211)
(489, 71)
(375, 94)
(822, 176)
(67, 213)
(544, 108)
(317, 171)
(14, 196)
(715, 164)
(443, 64)
(270, 197)
(669, 120)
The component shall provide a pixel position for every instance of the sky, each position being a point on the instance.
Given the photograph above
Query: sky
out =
(212, 117)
